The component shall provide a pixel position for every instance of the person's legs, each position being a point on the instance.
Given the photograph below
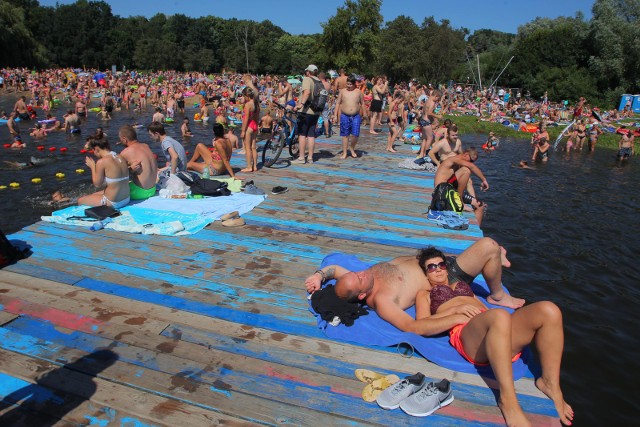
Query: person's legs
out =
(352, 148)
(311, 143)
(487, 257)
(345, 127)
(302, 142)
(373, 121)
(254, 150)
(541, 323)
(427, 140)
(94, 199)
(203, 152)
(487, 338)
(250, 150)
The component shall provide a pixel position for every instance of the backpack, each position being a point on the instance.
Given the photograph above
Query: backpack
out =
(319, 96)
(209, 187)
(446, 198)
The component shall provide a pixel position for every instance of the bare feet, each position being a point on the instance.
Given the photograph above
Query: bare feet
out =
(241, 152)
(565, 412)
(391, 150)
(247, 170)
(372, 132)
(513, 415)
(506, 300)
(353, 153)
(344, 156)
(503, 257)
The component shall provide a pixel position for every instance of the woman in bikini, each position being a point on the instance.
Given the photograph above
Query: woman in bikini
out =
(217, 160)
(494, 337)
(250, 118)
(395, 115)
(581, 134)
(109, 169)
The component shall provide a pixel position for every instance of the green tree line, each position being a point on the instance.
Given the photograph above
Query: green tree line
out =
(568, 56)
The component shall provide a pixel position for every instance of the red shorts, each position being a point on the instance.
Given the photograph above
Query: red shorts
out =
(456, 342)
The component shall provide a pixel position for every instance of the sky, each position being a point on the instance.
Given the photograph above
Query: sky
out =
(305, 16)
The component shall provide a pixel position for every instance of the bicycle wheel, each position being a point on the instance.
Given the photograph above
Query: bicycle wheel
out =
(294, 147)
(272, 149)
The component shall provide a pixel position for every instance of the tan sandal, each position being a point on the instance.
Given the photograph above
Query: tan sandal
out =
(368, 376)
(230, 215)
(371, 391)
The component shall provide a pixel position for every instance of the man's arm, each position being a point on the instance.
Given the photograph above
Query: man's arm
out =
(174, 160)
(476, 171)
(435, 148)
(315, 281)
(393, 314)
(337, 111)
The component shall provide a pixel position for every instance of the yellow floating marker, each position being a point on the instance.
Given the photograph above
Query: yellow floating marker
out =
(59, 175)
(79, 170)
(36, 180)
(3, 187)
(14, 185)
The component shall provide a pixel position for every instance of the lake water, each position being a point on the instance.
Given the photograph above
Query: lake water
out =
(569, 227)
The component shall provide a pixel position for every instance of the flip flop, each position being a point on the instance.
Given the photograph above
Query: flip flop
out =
(230, 215)
(368, 376)
(371, 391)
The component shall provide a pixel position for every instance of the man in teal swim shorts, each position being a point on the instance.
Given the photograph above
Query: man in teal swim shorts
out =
(142, 164)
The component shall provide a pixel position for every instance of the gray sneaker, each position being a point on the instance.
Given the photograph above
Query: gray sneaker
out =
(391, 397)
(428, 399)
(298, 161)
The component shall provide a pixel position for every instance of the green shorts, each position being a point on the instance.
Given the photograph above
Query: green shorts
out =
(138, 193)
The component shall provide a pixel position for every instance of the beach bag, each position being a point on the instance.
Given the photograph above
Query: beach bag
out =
(209, 187)
(319, 96)
(446, 198)
(101, 212)
(188, 177)
(8, 253)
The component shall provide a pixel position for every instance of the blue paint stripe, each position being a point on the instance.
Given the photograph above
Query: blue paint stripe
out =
(386, 238)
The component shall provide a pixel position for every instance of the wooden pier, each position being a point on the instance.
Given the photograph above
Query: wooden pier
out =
(116, 329)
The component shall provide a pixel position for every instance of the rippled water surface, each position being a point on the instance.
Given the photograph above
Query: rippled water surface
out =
(569, 226)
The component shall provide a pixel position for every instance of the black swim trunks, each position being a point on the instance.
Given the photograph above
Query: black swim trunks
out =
(455, 273)
(376, 106)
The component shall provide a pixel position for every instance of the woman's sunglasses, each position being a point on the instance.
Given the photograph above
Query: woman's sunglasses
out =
(433, 267)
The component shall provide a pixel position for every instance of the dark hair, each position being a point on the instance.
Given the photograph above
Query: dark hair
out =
(101, 143)
(471, 150)
(448, 123)
(428, 253)
(156, 127)
(218, 130)
(128, 133)
(452, 128)
(351, 79)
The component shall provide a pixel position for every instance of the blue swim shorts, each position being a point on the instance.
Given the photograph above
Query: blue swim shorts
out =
(350, 125)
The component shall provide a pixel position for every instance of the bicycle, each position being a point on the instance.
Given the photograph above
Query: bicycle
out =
(284, 133)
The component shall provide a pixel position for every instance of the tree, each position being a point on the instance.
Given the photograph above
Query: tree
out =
(350, 38)
(398, 42)
(18, 46)
(441, 49)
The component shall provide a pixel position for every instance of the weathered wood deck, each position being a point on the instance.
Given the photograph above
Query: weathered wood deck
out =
(213, 329)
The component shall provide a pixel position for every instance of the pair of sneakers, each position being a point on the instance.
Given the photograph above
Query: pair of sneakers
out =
(416, 396)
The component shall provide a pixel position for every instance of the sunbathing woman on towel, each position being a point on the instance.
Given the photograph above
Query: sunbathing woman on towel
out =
(495, 337)
(217, 160)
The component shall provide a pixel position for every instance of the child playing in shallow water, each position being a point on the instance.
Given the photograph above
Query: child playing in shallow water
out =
(184, 129)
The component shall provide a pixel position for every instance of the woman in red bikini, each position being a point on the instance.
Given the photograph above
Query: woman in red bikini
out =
(495, 337)
(250, 118)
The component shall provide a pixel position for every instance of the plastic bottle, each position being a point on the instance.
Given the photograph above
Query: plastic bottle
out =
(99, 225)
(205, 173)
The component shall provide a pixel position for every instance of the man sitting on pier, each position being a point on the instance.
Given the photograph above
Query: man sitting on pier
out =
(143, 166)
(391, 287)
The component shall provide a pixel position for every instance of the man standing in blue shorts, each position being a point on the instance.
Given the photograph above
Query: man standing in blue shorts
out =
(348, 107)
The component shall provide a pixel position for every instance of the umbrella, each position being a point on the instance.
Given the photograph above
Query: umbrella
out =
(294, 81)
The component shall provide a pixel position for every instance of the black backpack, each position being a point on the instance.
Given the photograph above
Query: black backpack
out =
(319, 96)
(446, 198)
(209, 187)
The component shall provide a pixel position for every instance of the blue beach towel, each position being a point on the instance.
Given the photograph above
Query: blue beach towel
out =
(374, 331)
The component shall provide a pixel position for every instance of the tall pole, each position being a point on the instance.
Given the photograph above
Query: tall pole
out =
(479, 77)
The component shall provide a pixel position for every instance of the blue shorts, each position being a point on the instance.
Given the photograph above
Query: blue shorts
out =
(350, 125)
(291, 103)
